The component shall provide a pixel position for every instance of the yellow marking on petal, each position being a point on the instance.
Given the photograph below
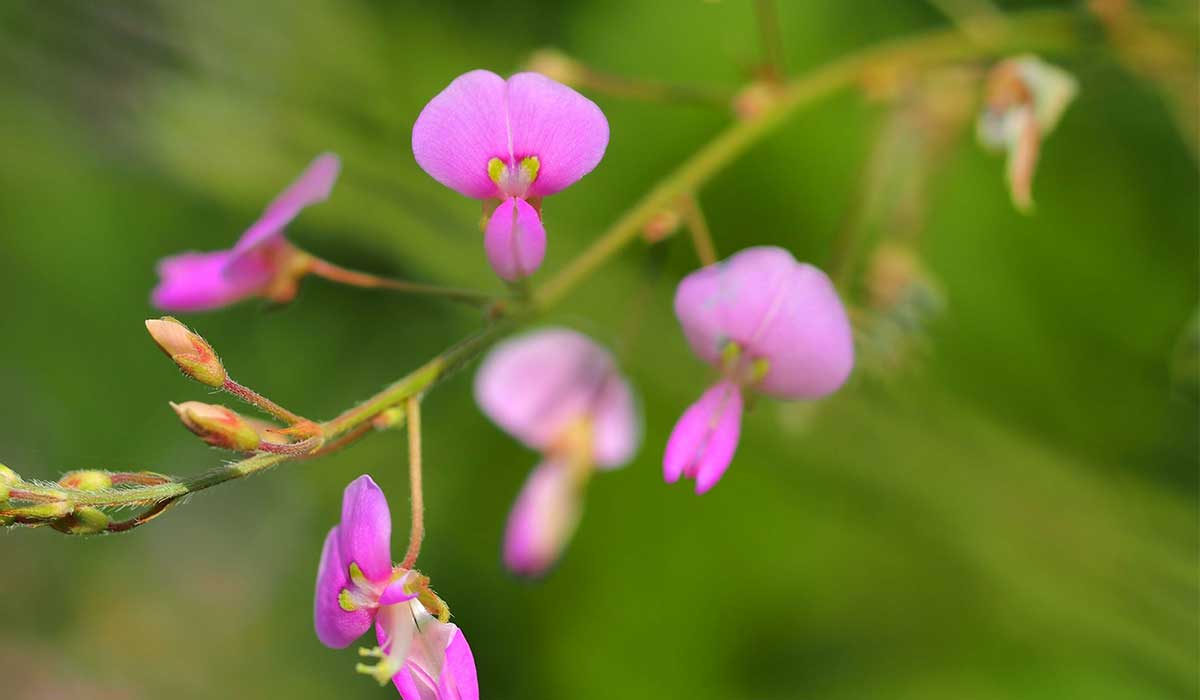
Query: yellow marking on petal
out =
(730, 354)
(759, 369)
(346, 601)
(496, 170)
(356, 575)
(529, 166)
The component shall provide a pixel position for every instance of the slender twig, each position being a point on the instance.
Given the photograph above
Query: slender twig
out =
(261, 402)
(354, 278)
(772, 39)
(417, 533)
(697, 225)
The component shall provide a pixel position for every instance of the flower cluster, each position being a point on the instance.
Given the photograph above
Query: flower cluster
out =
(420, 650)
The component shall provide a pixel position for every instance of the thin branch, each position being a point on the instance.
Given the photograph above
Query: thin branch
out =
(697, 225)
(767, 15)
(417, 532)
(354, 278)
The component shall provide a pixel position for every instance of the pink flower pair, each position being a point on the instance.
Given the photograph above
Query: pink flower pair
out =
(507, 142)
(420, 651)
(560, 393)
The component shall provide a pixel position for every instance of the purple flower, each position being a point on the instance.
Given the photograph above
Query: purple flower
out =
(514, 141)
(561, 394)
(260, 264)
(426, 656)
(768, 324)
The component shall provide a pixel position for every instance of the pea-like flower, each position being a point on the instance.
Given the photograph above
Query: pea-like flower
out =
(261, 264)
(425, 655)
(769, 324)
(510, 143)
(1025, 99)
(561, 394)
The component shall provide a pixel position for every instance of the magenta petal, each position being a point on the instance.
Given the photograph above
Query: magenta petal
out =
(777, 309)
(312, 186)
(460, 130)
(395, 593)
(617, 423)
(335, 627)
(702, 443)
(542, 520)
(565, 130)
(515, 240)
(366, 529)
(536, 385)
(459, 680)
(195, 282)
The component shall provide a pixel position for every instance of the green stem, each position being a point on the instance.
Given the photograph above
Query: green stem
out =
(1030, 30)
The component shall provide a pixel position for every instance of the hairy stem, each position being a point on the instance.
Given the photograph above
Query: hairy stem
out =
(261, 402)
(417, 532)
(354, 278)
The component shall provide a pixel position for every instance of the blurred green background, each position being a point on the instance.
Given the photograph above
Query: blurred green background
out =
(1005, 509)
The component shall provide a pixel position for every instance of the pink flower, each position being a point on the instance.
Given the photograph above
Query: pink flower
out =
(513, 141)
(561, 394)
(426, 656)
(769, 324)
(258, 265)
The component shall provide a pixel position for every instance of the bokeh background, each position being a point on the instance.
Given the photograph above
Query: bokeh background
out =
(1002, 503)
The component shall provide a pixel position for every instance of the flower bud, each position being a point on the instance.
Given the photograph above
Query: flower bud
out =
(218, 426)
(86, 480)
(42, 512)
(7, 478)
(84, 521)
(194, 356)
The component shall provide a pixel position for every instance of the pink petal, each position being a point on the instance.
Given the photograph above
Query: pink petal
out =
(702, 443)
(542, 520)
(785, 312)
(439, 664)
(312, 186)
(460, 130)
(335, 627)
(536, 385)
(566, 131)
(365, 533)
(195, 282)
(515, 240)
(459, 680)
(617, 427)
(395, 593)
(480, 116)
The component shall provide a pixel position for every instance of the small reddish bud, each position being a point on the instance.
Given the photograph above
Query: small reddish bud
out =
(86, 480)
(194, 356)
(218, 426)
